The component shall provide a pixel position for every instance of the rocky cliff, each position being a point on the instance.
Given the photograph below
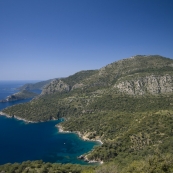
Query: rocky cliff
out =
(153, 84)
(56, 85)
(137, 75)
(67, 84)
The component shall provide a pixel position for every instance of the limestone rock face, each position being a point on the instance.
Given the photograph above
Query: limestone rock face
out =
(56, 85)
(78, 85)
(150, 84)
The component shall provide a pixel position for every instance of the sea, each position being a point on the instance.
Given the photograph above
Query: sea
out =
(20, 141)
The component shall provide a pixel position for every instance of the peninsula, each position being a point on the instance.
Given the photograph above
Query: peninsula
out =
(127, 105)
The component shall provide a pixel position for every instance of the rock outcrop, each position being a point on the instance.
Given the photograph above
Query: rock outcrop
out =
(147, 85)
(56, 85)
(78, 85)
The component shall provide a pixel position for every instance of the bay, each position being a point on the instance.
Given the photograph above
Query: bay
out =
(20, 141)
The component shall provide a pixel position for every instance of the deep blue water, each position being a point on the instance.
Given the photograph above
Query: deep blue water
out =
(20, 141)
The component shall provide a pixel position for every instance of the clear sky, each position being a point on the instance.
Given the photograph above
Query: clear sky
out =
(45, 39)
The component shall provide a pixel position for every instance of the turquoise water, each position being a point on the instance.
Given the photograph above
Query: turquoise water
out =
(20, 141)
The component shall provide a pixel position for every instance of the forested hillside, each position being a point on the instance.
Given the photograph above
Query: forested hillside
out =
(127, 104)
(35, 86)
(24, 94)
(151, 164)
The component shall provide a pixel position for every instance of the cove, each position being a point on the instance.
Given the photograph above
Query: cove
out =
(20, 141)
(39, 141)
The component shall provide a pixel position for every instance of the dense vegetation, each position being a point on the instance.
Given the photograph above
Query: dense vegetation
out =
(35, 86)
(151, 164)
(42, 167)
(78, 77)
(24, 94)
(131, 127)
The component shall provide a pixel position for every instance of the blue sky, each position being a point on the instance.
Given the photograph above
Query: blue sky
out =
(45, 39)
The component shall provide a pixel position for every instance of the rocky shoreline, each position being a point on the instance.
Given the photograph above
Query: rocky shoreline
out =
(84, 137)
(18, 118)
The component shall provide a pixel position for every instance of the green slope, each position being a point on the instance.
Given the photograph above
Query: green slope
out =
(131, 126)
(35, 86)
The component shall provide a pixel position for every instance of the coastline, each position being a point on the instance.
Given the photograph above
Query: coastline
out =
(61, 130)
(16, 117)
(84, 137)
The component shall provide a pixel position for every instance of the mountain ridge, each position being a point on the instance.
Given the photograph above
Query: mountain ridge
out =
(110, 73)
(127, 104)
(35, 86)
